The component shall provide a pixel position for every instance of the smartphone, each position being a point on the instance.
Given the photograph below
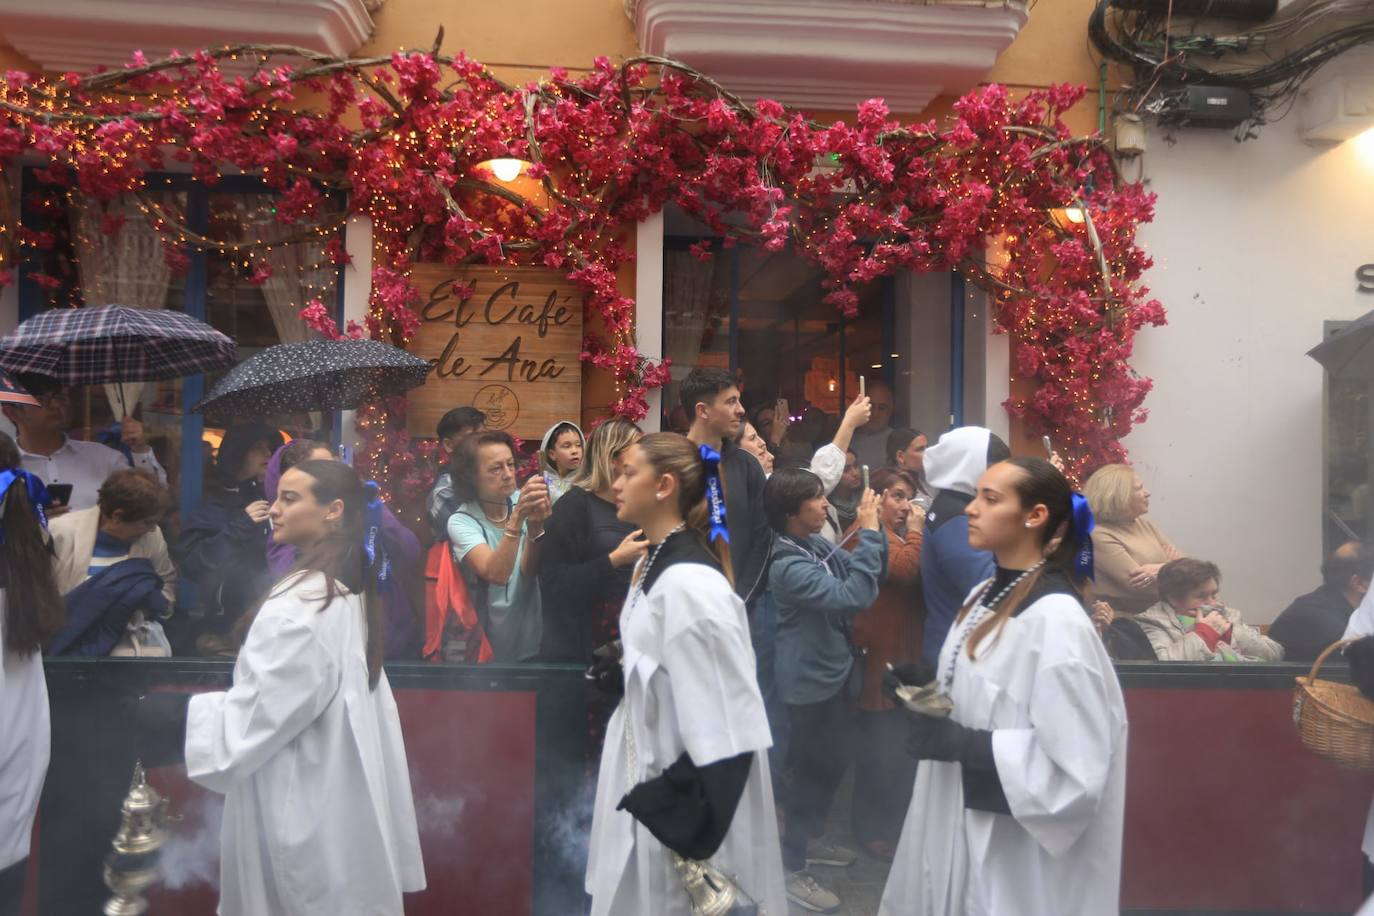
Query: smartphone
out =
(865, 477)
(783, 409)
(61, 493)
(1049, 446)
(863, 387)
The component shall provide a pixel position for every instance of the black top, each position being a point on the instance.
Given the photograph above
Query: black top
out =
(681, 547)
(1311, 623)
(1051, 582)
(582, 591)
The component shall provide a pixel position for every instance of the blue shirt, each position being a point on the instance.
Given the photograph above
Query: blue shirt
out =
(108, 551)
(511, 614)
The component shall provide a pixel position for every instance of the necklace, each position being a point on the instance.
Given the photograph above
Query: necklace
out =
(649, 564)
(976, 617)
(492, 502)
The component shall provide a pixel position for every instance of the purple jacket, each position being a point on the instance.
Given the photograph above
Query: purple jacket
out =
(402, 620)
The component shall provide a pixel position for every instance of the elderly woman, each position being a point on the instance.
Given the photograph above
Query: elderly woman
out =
(495, 536)
(1191, 624)
(1128, 550)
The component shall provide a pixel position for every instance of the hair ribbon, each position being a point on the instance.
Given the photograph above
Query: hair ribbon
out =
(37, 493)
(715, 494)
(374, 527)
(1082, 534)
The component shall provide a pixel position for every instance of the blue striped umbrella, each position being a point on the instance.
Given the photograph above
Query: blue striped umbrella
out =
(111, 343)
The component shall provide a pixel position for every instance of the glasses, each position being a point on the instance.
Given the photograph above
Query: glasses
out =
(898, 497)
(55, 399)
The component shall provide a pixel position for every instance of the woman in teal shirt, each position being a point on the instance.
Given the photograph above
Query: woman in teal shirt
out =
(495, 536)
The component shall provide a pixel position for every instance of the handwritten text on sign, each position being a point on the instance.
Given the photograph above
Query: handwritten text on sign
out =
(504, 341)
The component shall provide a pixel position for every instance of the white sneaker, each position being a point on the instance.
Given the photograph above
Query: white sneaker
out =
(805, 892)
(820, 852)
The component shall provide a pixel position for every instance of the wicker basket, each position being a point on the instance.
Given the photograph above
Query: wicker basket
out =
(1334, 720)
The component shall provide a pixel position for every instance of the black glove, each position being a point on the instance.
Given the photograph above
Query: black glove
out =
(688, 808)
(941, 738)
(606, 672)
(672, 805)
(159, 725)
(913, 674)
(1360, 655)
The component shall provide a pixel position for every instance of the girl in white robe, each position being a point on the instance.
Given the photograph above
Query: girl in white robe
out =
(306, 746)
(1019, 801)
(683, 770)
(31, 613)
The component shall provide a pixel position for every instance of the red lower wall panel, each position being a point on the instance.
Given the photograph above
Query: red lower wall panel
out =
(1226, 810)
(471, 760)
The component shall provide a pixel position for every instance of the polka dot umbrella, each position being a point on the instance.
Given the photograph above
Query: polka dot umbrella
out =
(314, 375)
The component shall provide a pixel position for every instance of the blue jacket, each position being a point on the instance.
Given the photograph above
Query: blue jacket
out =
(98, 610)
(817, 600)
(950, 568)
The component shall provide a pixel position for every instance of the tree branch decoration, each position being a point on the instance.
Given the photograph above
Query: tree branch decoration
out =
(402, 136)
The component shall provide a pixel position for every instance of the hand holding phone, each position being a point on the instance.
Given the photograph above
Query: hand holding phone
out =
(61, 493)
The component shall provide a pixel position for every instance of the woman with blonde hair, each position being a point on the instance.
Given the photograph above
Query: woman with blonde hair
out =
(588, 553)
(683, 777)
(1128, 550)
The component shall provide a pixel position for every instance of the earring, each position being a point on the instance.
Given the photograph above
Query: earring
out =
(662, 496)
(1028, 524)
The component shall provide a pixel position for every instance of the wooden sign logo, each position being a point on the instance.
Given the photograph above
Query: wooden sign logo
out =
(506, 341)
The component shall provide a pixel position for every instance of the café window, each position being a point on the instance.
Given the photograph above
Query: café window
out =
(111, 254)
(1349, 500)
(761, 315)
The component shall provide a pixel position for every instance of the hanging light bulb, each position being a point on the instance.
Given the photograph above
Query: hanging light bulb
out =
(505, 169)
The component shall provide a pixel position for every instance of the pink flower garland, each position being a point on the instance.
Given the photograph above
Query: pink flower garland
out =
(861, 200)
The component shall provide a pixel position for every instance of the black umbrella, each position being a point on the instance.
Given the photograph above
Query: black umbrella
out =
(314, 375)
(1349, 350)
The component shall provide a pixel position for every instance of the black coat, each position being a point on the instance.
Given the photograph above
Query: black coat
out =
(751, 540)
(1311, 623)
(224, 552)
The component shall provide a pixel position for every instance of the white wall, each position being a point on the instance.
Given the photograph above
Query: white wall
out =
(1255, 245)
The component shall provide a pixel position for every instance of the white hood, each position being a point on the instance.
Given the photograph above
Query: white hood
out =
(958, 460)
(547, 441)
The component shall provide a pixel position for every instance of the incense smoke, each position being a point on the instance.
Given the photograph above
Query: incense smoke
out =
(191, 856)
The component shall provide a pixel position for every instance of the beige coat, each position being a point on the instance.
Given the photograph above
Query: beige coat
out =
(73, 538)
(1173, 642)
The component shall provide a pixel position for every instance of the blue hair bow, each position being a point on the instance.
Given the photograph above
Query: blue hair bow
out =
(374, 529)
(715, 495)
(37, 492)
(1082, 534)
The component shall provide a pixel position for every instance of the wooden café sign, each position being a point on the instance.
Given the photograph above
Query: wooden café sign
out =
(504, 340)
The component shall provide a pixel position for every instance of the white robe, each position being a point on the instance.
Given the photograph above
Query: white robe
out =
(1047, 691)
(25, 745)
(1361, 624)
(690, 685)
(318, 815)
